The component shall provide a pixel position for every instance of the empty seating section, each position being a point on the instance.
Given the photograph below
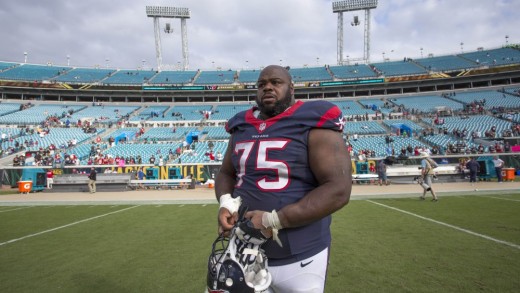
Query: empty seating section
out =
(167, 134)
(150, 112)
(513, 91)
(216, 77)
(57, 136)
(249, 76)
(376, 104)
(446, 63)
(201, 149)
(442, 140)
(412, 125)
(225, 112)
(477, 123)
(364, 127)
(135, 77)
(173, 77)
(81, 151)
(396, 68)
(7, 65)
(145, 150)
(31, 72)
(215, 133)
(310, 74)
(493, 99)
(8, 108)
(84, 75)
(426, 103)
(350, 108)
(352, 71)
(11, 132)
(189, 113)
(36, 114)
(123, 130)
(379, 146)
(502, 56)
(102, 114)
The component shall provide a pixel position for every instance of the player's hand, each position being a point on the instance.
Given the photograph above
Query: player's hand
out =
(226, 221)
(256, 219)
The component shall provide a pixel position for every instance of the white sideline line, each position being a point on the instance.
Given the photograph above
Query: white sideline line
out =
(64, 226)
(16, 209)
(509, 199)
(448, 225)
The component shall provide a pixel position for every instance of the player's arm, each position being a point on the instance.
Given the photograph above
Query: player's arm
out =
(330, 163)
(225, 184)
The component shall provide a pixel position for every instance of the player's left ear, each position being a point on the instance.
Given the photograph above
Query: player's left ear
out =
(291, 86)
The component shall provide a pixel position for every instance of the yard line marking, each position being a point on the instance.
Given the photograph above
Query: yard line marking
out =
(16, 209)
(65, 226)
(448, 225)
(509, 199)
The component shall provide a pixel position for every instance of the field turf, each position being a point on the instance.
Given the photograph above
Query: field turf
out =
(460, 244)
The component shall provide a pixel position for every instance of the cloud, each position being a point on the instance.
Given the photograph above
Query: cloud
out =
(236, 33)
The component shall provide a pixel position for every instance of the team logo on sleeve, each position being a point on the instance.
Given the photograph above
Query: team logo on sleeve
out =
(341, 123)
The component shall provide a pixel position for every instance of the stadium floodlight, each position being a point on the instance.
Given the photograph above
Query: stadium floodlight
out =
(25, 57)
(157, 12)
(353, 5)
(168, 12)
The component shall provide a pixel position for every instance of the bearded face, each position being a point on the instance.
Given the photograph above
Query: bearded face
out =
(276, 108)
(275, 91)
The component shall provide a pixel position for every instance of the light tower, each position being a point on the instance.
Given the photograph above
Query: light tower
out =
(169, 12)
(353, 5)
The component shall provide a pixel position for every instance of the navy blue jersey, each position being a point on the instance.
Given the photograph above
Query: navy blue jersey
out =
(272, 167)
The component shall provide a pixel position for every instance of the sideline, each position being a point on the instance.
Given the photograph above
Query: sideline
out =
(64, 226)
(448, 225)
(501, 198)
(3, 211)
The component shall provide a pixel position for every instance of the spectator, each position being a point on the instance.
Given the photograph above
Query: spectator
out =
(427, 166)
(140, 176)
(92, 177)
(499, 164)
(474, 168)
(50, 178)
(381, 172)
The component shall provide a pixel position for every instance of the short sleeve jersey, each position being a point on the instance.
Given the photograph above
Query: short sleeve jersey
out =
(271, 161)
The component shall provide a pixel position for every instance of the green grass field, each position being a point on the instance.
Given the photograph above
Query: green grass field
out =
(460, 244)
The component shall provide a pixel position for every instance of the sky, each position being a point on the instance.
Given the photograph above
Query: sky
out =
(247, 34)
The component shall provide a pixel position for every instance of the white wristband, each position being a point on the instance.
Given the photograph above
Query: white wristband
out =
(271, 220)
(230, 203)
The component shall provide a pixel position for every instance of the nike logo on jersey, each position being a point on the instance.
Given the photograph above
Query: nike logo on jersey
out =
(305, 264)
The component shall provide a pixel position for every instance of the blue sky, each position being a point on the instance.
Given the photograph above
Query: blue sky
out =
(238, 34)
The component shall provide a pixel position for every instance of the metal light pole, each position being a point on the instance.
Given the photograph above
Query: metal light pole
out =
(353, 5)
(157, 12)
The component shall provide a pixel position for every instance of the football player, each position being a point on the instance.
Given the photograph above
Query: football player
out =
(287, 163)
